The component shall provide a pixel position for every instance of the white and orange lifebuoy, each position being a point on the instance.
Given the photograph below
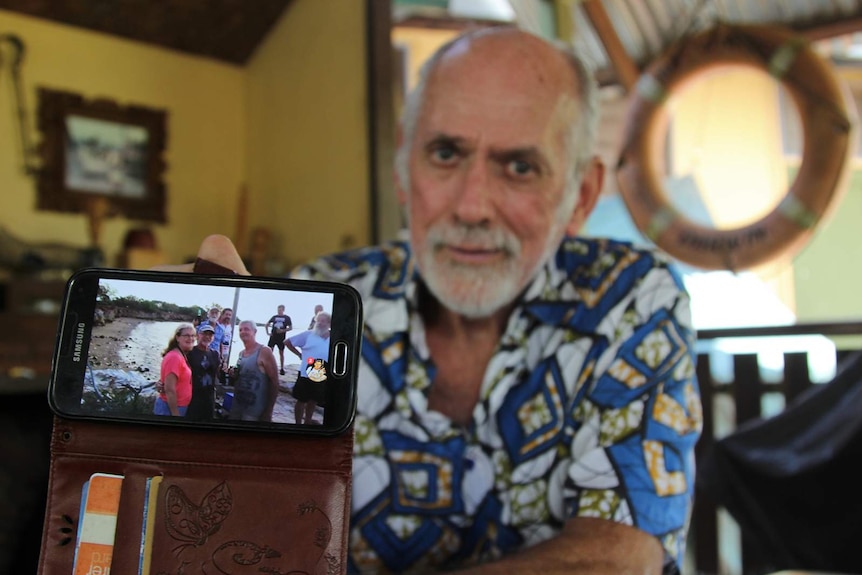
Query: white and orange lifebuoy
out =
(827, 132)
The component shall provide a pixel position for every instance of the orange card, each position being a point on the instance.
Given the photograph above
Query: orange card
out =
(98, 523)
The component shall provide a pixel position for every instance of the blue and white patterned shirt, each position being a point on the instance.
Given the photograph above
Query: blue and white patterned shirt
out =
(589, 407)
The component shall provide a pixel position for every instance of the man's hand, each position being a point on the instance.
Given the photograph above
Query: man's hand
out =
(217, 249)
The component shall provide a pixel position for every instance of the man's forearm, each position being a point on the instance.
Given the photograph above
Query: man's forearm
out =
(585, 547)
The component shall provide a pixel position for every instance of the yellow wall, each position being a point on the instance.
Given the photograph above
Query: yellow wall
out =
(206, 143)
(420, 44)
(308, 158)
(292, 123)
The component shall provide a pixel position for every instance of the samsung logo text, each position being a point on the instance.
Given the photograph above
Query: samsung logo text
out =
(79, 343)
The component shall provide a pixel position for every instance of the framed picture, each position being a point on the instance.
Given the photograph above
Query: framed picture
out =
(97, 149)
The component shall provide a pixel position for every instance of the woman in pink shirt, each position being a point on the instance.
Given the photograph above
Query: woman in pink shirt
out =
(176, 374)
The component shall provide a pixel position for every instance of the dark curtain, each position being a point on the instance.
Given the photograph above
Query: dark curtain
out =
(793, 481)
(25, 435)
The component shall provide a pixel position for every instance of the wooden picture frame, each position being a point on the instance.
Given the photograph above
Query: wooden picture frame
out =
(93, 150)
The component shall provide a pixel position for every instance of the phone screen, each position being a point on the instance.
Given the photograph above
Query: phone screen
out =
(187, 349)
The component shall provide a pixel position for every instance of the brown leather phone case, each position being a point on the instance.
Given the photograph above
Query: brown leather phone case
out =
(228, 501)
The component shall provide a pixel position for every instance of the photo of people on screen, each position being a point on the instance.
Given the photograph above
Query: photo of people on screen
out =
(219, 361)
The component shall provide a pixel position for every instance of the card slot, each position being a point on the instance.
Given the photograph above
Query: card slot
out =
(130, 517)
(60, 532)
(61, 526)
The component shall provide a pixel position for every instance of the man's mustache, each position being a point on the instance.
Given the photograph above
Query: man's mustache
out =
(478, 237)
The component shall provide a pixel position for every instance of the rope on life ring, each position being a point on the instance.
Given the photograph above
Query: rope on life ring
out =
(826, 128)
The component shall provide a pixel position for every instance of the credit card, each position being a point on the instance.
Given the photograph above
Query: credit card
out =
(149, 522)
(100, 501)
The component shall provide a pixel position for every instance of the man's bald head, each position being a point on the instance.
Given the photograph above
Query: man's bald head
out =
(513, 55)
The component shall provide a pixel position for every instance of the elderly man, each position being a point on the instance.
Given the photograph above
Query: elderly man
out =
(313, 345)
(527, 398)
(204, 363)
(255, 378)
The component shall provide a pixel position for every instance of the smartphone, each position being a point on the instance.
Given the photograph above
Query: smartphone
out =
(141, 346)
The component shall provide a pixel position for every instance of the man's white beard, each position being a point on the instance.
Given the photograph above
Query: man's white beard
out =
(474, 291)
(479, 291)
(321, 331)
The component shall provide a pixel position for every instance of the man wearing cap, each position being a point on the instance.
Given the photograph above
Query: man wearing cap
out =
(204, 362)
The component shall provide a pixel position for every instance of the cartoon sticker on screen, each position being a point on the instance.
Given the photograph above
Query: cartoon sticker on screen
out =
(316, 370)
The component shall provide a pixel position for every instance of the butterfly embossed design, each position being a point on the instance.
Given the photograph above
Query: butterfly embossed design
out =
(193, 524)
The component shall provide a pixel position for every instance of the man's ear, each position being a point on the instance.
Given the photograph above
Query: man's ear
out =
(590, 190)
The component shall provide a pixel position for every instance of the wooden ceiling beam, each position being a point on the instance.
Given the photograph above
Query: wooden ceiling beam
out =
(826, 30)
(625, 67)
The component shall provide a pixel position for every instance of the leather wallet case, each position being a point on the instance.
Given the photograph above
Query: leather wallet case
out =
(226, 501)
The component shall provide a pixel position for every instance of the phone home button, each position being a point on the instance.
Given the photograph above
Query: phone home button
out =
(339, 361)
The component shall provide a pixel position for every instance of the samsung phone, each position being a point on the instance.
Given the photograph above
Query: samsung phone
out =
(207, 350)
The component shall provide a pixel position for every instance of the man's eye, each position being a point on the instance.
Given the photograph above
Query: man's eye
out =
(443, 154)
(520, 168)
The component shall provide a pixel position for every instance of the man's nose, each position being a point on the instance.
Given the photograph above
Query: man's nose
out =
(474, 203)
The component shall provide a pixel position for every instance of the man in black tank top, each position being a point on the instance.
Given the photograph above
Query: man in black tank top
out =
(276, 328)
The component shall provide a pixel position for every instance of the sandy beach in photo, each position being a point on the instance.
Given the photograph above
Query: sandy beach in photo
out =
(107, 340)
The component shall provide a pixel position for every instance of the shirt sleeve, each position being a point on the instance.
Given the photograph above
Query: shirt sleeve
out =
(637, 420)
(299, 339)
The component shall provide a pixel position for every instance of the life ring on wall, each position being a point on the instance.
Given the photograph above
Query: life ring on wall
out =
(826, 128)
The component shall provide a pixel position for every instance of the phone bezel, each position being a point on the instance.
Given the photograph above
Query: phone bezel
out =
(71, 349)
